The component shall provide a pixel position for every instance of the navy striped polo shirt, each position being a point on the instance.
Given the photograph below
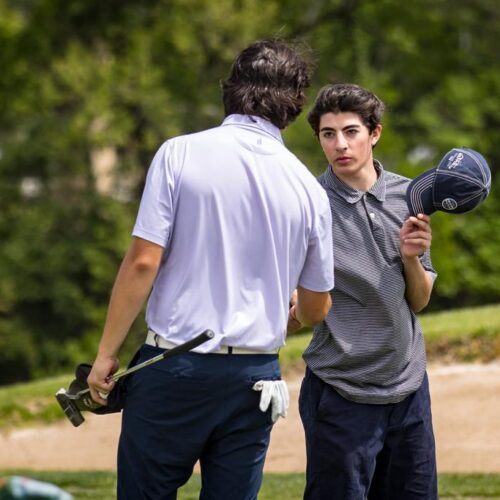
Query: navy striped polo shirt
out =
(370, 347)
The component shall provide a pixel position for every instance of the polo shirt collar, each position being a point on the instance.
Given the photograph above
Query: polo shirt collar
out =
(255, 122)
(352, 195)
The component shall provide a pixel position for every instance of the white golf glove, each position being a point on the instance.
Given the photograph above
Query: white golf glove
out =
(274, 392)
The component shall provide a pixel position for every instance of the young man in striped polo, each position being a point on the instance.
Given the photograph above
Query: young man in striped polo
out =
(365, 401)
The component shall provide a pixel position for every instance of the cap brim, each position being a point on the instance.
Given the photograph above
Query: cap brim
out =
(419, 194)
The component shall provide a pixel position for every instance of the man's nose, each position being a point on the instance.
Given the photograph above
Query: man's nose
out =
(341, 143)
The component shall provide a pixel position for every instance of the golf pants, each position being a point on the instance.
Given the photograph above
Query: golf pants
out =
(195, 407)
(366, 451)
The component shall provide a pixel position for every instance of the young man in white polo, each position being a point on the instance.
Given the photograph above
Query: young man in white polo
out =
(230, 223)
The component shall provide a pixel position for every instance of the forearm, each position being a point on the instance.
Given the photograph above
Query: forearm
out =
(130, 291)
(132, 286)
(310, 307)
(418, 284)
(306, 317)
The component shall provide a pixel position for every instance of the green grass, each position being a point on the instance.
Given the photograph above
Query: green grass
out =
(462, 335)
(101, 485)
(461, 323)
(25, 404)
(471, 334)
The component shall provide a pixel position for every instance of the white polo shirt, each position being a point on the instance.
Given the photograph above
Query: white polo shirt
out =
(243, 222)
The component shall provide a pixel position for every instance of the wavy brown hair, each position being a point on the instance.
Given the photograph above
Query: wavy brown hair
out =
(347, 98)
(268, 79)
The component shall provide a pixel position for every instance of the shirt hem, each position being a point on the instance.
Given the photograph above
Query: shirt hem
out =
(153, 238)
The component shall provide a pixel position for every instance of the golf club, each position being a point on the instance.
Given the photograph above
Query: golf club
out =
(74, 403)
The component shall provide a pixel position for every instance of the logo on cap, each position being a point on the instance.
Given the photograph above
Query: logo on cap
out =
(455, 161)
(449, 204)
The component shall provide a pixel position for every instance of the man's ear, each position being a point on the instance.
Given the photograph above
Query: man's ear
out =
(377, 132)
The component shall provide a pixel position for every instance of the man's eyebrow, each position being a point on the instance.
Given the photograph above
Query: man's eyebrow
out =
(328, 129)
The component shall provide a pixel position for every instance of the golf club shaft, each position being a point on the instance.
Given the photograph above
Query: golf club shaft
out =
(187, 346)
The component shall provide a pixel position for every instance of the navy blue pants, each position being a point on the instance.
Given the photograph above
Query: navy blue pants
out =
(195, 407)
(360, 451)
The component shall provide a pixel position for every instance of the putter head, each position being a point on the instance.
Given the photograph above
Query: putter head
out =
(69, 407)
(75, 400)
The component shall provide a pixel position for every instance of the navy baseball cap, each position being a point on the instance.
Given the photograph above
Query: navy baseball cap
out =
(460, 182)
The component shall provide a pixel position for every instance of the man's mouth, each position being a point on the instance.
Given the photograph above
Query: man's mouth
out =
(343, 159)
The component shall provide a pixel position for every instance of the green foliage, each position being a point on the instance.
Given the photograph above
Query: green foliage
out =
(90, 89)
(56, 271)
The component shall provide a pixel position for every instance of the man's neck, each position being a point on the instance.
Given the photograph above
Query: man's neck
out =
(362, 181)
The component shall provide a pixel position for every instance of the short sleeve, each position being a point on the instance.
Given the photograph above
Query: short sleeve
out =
(157, 208)
(317, 273)
(426, 262)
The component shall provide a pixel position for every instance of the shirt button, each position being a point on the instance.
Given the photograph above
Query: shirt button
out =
(372, 215)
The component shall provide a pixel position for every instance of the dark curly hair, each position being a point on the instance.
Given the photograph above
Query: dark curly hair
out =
(268, 79)
(347, 98)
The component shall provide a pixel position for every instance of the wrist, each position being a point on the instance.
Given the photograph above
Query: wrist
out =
(410, 259)
(106, 352)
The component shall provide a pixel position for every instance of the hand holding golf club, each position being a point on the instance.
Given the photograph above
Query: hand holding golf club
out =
(78, 398)
(100, 379)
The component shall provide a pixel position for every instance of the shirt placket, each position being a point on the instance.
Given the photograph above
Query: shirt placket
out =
(373, 217)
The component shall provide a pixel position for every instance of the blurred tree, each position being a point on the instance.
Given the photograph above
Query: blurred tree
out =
(435, 66)
(90, 89)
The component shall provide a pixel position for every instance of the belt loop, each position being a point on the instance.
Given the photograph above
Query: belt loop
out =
(156, 340)
(230, 350)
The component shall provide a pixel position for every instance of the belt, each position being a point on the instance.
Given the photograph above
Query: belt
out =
(155, 340)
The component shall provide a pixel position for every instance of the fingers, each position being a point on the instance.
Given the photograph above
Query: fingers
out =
(421, 222)
(100, 392)
(293, 324)
(97, 396)
(416, 235)
(423, 218)
(99, 379)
